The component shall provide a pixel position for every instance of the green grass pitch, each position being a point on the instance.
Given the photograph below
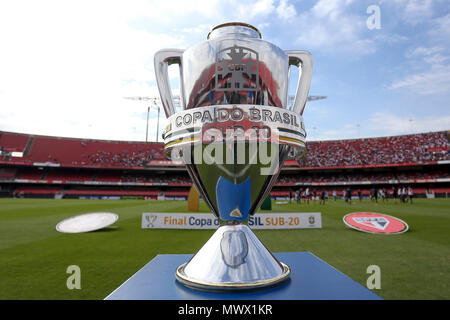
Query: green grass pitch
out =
(34, 256)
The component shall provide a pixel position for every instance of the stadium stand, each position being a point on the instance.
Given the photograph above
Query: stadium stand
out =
(37, 191)
(66, 175)
(108, 177)
(417, 148)
(11, 142)
(68, 167)
(30, 174)
(7, 173)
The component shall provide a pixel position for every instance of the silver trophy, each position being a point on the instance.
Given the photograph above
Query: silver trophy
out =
(233, 130)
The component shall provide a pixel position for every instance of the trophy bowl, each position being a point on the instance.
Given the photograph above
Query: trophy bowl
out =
(233, 131)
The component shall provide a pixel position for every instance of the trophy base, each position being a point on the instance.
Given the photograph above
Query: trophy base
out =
(224, 286)
(232, 259)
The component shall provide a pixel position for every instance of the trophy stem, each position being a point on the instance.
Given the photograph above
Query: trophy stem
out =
(232, 259)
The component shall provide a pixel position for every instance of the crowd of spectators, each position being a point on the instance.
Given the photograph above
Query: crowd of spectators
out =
(317, 178)
(125, 158)
(173, 179)
(360, 177)
(287, 179)
(415, 148)
(423, 175)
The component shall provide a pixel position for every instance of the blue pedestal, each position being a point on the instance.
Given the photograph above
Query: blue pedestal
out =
(311, 279)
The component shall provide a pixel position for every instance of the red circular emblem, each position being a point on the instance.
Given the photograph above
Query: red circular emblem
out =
(375, 223)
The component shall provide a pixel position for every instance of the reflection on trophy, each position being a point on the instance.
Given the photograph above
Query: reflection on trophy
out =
(233, 131)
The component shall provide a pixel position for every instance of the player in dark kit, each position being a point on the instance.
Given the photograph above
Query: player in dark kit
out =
(349, 196)
(375, 195)
(322, 197)
(394, 194)
(385, 195)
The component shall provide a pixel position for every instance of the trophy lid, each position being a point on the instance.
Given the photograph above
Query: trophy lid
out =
(241, 28)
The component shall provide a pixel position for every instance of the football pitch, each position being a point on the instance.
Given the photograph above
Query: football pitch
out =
(34, 257)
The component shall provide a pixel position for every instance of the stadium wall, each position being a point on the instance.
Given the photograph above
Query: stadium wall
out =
(117, 169)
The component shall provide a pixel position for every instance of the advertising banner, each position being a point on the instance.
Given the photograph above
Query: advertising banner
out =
(291, 220)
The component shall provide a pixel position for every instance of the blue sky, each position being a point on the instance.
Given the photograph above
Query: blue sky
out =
(66, 66)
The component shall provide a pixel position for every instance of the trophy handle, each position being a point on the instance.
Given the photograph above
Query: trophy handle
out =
(304, 60)
(162, 60)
